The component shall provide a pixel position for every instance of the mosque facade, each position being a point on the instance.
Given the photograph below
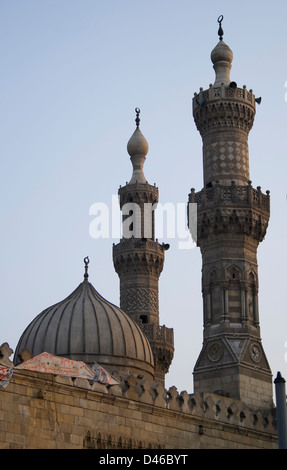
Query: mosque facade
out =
(89, 374)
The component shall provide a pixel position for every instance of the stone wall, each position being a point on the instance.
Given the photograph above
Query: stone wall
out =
(43, 411)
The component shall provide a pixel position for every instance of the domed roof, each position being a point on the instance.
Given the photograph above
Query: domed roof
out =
(86, 327)
(221, 57)
(137, 145)
(137, 148)
(221, 52)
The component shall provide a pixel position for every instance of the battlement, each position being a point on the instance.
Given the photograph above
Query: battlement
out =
(203, 406)
(73, 413)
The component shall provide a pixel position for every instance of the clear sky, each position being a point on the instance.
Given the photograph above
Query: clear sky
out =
(72, 73)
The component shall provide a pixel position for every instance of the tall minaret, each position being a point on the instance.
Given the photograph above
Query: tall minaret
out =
(232, 218)
(139, 258)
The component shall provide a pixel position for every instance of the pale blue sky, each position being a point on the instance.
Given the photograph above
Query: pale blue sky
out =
(72, 73)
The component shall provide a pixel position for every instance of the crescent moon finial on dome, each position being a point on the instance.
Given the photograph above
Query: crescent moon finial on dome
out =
(220, 30)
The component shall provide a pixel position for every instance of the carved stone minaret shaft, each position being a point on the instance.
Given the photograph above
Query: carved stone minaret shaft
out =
(139, 258)
(232, 218)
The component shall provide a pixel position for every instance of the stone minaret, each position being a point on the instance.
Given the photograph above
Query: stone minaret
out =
(232, 218)
(139, 258)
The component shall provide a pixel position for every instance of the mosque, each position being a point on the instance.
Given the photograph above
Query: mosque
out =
(89, 374)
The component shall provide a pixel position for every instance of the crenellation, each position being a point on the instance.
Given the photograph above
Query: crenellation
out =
(203, 405)
(183, 417)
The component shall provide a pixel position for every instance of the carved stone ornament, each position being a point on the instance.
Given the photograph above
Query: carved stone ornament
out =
(255, 352)
(215, 352)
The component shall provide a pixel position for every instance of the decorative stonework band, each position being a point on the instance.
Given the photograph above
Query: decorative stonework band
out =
(139, 299)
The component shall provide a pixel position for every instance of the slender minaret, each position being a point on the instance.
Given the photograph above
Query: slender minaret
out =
(232, 218)
(139, 258)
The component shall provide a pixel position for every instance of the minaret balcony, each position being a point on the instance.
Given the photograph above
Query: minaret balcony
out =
(157, 333)
(128, 245)
(132, 255)
(244, 195)
(241, 209)
(161, 340)
(216, 93)
(224, 107)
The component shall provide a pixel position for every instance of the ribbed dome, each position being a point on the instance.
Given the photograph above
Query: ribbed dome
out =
(86, 327)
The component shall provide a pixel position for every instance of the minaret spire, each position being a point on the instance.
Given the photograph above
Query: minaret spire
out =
(232, 219)
(139, 258)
